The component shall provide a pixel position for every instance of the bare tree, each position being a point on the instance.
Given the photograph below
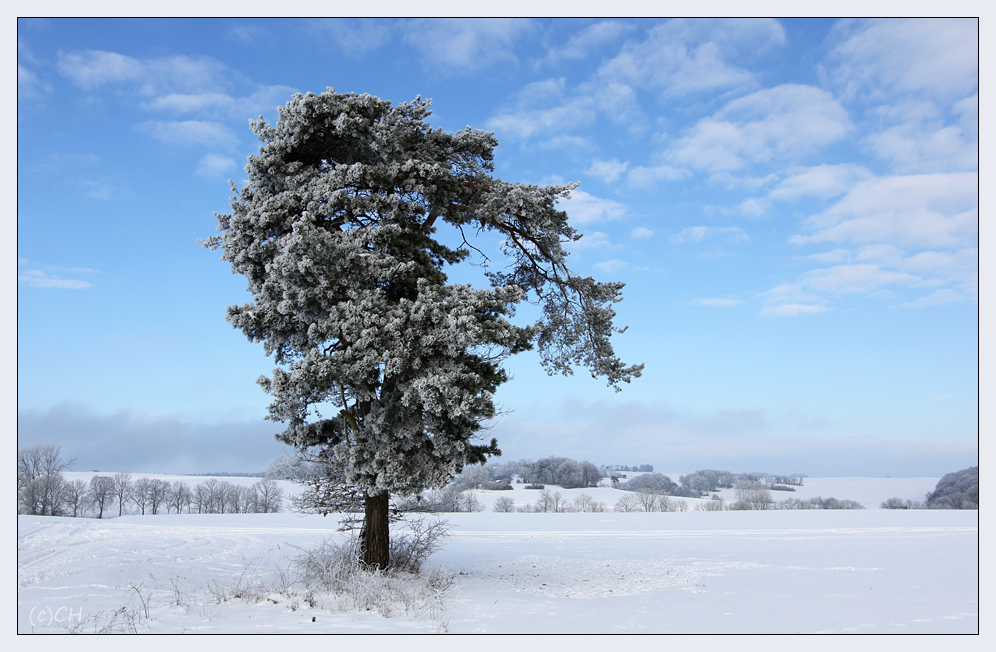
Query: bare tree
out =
(77, 496)
(40, 484)
(627, 503)
(585, 503)
(269, 496)
(158, 492)
(140, 493)
(122, 490)
(178, 496)
(504, 504)
(101, 493)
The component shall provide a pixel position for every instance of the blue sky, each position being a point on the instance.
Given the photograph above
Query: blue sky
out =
(792, 204)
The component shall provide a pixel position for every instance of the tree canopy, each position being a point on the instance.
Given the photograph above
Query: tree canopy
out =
(335, 232)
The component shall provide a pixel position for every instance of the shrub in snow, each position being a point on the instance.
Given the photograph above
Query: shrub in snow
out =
(716, 504)
(900, 503)
(504, 504)
(627, 503)
(819, 503)
(332, 575)
(836, 503)
(585, 503)
(450, 499)
(796, 503)
(752, 495)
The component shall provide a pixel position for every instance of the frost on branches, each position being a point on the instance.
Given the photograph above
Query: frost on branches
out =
(334, 232)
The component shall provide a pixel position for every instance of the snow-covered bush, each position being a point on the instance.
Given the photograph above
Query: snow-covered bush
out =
(332, 575)
(796, 503)
(706, 480)
(900, 503)
(585, 503)
(752, 495)
(836, 503)
(958, 490)
(450, 499)
(627, 503)
(650, 483)
(715, 505)
(411, 549)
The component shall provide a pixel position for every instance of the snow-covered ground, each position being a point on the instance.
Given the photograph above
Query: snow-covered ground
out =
(860, 571)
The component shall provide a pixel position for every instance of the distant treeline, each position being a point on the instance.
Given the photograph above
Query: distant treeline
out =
(958, 490)
(703, 482)
(42, 490)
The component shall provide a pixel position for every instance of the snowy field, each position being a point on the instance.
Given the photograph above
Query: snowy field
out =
(814, 571)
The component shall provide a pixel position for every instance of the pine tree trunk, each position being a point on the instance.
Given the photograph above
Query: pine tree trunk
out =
(375, 536)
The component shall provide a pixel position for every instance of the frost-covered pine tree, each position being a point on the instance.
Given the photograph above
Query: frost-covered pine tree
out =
(335, 232)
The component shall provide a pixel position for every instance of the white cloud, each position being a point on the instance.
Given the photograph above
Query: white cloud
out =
(718, 302)
(926, 147)
(464, 45)
(90, 69)
(584, 208)
(29, 85)
(564, 142)
(856, 278)
(785, 122)
(246, 33)
(883, 254)
(790, 300)
(793, 309)
(37, 278)
(645, 177)
(611, 266)
(822, 181)
(191, 132)
(968, 110)
(618, 102)
(531, 122)
(831, 257)
(935, 58)
(754, 207)
(608, 171)
(263, 100)
(931, 210)
(187, 103)
(585, 42)
(641, 233)
(680, 57)
(732, 234)
(941, 297)
(354, 37)
(214, 165)
(593, 240)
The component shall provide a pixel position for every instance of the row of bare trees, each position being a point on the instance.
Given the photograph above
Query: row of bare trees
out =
(43, 490)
